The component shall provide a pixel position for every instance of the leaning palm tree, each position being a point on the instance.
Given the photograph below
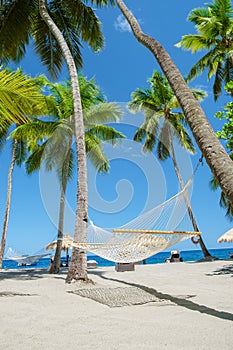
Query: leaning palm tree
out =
(58, 30)
(20, 98)
(216, 157)
(159, 104)
(214, 25)
(51, 141)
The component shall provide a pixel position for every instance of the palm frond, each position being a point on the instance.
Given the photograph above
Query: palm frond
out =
(86, 25)
(95, 153)
(47, 48)
(195, 42)
(34, 161)
(228, 69)
(182, 135)
(223, 201)
(21, 152)
(162, 151)
(199, 94)
(199, 15)
(202, 64)
(218, 81)
(16, 20)
(101, 3)
(34, 133)
(105, 133)
(20, 97)
(65, 169)
(142, 100)
(101, 113)
(4, 128)
(214, 32)
(164, 140)
(140, 133)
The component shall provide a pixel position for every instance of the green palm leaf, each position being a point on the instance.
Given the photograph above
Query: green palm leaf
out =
(214, 25)
(20, 97)
(16, 20)
(20, 22)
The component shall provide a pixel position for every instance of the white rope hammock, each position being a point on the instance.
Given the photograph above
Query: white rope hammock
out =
(142, 237)
(24, 259)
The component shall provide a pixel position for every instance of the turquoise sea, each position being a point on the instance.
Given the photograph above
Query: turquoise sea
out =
(190, 255)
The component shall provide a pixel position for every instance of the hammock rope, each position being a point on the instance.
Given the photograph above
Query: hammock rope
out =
(25, 259)
(144, 236)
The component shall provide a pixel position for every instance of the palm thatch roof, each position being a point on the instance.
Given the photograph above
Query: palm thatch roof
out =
(226, 237)
(66, 243)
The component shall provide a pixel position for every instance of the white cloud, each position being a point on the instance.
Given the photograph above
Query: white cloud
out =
(121, 24)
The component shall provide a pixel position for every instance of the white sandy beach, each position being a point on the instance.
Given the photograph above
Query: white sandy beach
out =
(192, 309)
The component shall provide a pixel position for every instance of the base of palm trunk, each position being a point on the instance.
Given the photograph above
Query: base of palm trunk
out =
(53, 269)
(85, 280)
(208, 258)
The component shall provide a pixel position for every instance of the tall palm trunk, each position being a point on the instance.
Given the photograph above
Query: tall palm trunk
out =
(78, 265)
(8, 203)
(216, 157)
(55, 266)
(187, 202)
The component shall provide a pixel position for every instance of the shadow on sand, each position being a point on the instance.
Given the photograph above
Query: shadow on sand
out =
(225, 270)
(31, 274)
(180, 301)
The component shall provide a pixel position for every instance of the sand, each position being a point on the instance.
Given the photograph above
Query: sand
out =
(192, 309)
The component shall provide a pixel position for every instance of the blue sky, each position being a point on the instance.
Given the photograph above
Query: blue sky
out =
(122, 67)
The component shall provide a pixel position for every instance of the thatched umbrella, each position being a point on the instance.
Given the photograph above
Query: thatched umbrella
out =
(66, 245)
(226, 237)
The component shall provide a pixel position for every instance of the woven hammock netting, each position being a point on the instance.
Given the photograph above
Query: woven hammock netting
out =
(146, 235)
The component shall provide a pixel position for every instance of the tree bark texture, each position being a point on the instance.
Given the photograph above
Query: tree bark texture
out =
(216, 157)
(55, 265)
(78, 265)
(188, 204)
(8, 203)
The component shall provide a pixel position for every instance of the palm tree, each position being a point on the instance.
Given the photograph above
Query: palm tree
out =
(214, 25)
(21, 22)
(160, 104)
(55, 150)
(216, 157)
(20, 98)
(58, 31)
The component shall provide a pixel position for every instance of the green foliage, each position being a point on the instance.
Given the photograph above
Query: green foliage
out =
(50, 141)
(21, 100)
(226, 134)
(163, 119)
(223, 201)
(20, 21)
(214, 25)
(20, 97)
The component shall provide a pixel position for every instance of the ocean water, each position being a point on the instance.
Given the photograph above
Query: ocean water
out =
(190, 255)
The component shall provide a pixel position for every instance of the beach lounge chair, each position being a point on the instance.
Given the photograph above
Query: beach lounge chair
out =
(91, 264)
(121, 267)
(174, 257)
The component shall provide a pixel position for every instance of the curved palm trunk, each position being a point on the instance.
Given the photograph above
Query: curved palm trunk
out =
(218, 160)
(188, 204)
(8, 203)
(55, 266)
(78, 265)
